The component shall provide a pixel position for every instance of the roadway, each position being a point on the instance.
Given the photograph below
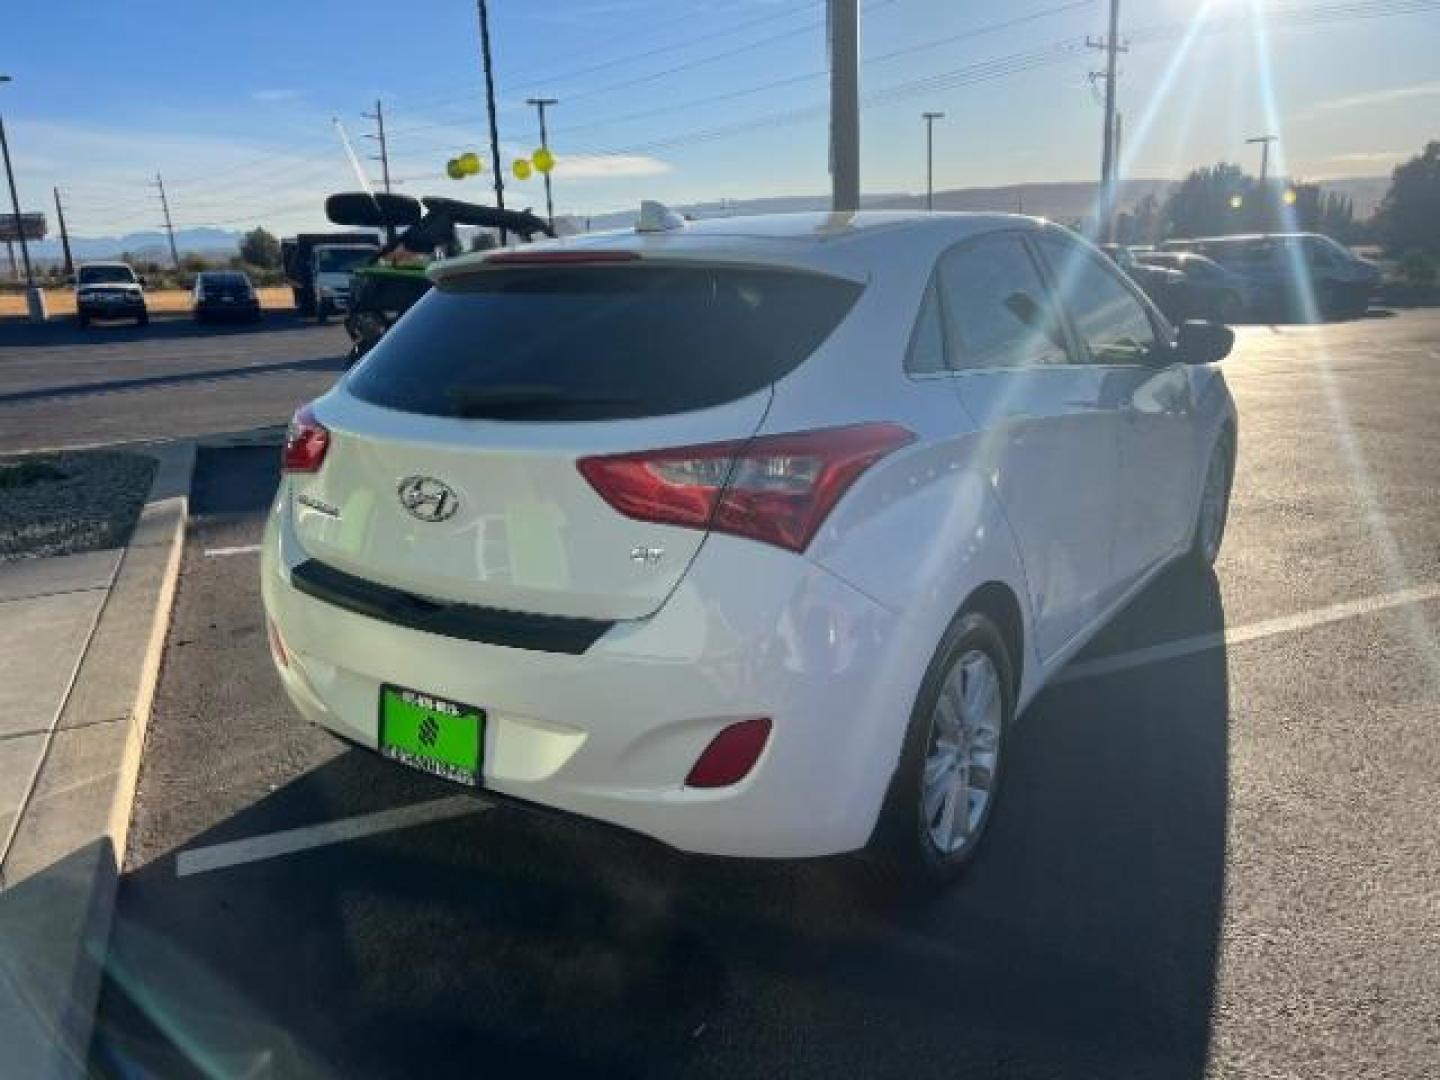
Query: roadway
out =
(61, 386)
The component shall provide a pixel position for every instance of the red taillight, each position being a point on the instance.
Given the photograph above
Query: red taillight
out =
(774, 488)
(731, 754)
(305, 442)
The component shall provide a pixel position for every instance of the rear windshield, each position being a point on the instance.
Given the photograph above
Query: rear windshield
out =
(106, 275)
(599, 343)
(228, 280)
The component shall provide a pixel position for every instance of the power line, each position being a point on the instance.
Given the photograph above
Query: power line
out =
(1028, 60)
(791, 80)
(699, 61)
(560, 75)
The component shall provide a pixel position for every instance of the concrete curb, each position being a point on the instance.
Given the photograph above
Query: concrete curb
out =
(63, 866)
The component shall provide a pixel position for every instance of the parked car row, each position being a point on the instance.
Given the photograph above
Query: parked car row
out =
(1272, 275)
(114, 291)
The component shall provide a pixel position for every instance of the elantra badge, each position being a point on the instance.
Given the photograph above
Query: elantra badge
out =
(427, 498)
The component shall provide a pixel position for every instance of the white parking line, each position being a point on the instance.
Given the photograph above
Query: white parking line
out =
(1285, 624)
(258, 848)
(242, 549)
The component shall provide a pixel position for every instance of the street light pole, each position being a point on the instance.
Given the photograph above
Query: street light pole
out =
(15, 201)
(930, 118)
(1264, 141)
(541, 104)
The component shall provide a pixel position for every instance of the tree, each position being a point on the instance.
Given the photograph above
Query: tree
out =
(260, 248)
(192, 263)
(1200, 205)
(1409, 215)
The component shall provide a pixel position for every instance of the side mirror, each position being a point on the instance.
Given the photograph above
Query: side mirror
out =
(1203, 342)
(143, 283)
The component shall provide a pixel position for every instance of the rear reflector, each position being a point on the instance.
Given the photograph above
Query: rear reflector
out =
(774, 488)
(560, 258)
(731, 754)
(306, 442)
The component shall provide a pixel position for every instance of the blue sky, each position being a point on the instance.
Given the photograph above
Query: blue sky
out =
(233, 102)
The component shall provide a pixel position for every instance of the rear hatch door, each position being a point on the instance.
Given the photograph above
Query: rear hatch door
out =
(452, 471)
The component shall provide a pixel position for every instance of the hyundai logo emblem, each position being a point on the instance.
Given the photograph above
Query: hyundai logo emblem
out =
(427, 498)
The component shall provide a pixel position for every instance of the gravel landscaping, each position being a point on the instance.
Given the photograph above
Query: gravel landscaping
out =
(62, 504)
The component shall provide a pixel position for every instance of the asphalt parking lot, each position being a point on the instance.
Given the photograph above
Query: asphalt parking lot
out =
(1217, 853)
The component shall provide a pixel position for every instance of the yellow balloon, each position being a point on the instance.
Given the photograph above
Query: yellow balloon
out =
(544, 160)
(470, 163)
(522, 169)
(454, 170)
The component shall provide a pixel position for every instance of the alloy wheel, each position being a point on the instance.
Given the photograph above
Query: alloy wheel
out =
(961, 761)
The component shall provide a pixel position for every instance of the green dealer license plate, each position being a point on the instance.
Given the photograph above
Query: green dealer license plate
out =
(431, 734)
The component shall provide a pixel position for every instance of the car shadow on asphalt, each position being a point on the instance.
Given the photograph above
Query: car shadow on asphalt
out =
(1083, 941)
(65, 331)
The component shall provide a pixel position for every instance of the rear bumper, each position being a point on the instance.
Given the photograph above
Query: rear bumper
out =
(612, 733)
(236, 309)
(110, 309)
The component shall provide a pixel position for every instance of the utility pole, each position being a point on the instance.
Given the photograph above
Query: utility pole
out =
(64, 234)
(1264, 141)
(541, 103)
(15, 206)
(384, 156)
(490, 107)
(1115, 156)
(844, 105)
(169, 228)
(930, 118)
(1111, 45)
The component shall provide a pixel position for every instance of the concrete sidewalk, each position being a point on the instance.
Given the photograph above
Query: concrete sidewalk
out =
(81, 638)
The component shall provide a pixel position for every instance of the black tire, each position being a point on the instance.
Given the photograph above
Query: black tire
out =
(83, 320)
(902, 844)
(1203, 552)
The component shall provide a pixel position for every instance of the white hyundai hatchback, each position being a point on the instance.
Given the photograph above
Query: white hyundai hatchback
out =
(752, 535)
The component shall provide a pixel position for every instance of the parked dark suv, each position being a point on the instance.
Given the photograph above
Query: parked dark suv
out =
(224, 294)
(109, 290)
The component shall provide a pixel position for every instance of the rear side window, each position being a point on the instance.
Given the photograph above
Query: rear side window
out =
(599, 343)
(1106, 314)
(927, 344)
(998, 312)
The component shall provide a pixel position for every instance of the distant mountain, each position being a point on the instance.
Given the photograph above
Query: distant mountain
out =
(1063, 201)
(143, 245)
